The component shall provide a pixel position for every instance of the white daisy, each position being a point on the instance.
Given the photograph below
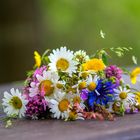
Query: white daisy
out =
(75, 98)
(47, 84)
(92, 82)
(124, 95)
(62, 59)
(14, 103)
(81, 56)
(59, 106)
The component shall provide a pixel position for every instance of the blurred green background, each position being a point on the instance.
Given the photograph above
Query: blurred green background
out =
(28, 25)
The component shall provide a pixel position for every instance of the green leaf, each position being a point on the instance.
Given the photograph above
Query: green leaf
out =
(104, 58)
(134, 59)
(45, 53)
(119, 51)
(30, 73)
(44, 58)
(125, 71)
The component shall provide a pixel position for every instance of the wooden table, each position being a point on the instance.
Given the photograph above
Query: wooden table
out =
(124, 128)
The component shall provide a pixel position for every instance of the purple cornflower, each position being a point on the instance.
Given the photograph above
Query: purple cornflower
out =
(37, 107)
(113, 71)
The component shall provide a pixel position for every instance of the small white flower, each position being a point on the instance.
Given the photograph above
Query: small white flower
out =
(81, 56)
(62, 59)
(124, 95)
(75, 98)
(59, 106)
(14, 103)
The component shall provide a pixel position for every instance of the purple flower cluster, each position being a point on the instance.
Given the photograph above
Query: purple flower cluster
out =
(39, 71)
(37, 107)
(26, 88)
(33, 79)
(113, 71)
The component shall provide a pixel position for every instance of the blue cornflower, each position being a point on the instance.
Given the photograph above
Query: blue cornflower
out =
(102, 94)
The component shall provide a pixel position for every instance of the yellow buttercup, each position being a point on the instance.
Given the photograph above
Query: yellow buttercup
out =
(37, 58)
(134, 74)
(94, 64)
(137, 97)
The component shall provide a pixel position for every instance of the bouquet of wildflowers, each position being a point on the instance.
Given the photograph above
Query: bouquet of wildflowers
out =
(72, 85)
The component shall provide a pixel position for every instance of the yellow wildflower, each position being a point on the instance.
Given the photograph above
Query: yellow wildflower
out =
(137, 97)
(94, 64)
(37, 58)
(134, 74)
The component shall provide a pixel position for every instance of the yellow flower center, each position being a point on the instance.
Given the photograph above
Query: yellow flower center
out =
(76, 99)
(137, 97)
(70, 89)
(16, 102)
(60, 86)
(123, 95)
(92, 86)
(63, 105)
(47, 87)
(84, 75)
(62, 64)
(82, 85)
